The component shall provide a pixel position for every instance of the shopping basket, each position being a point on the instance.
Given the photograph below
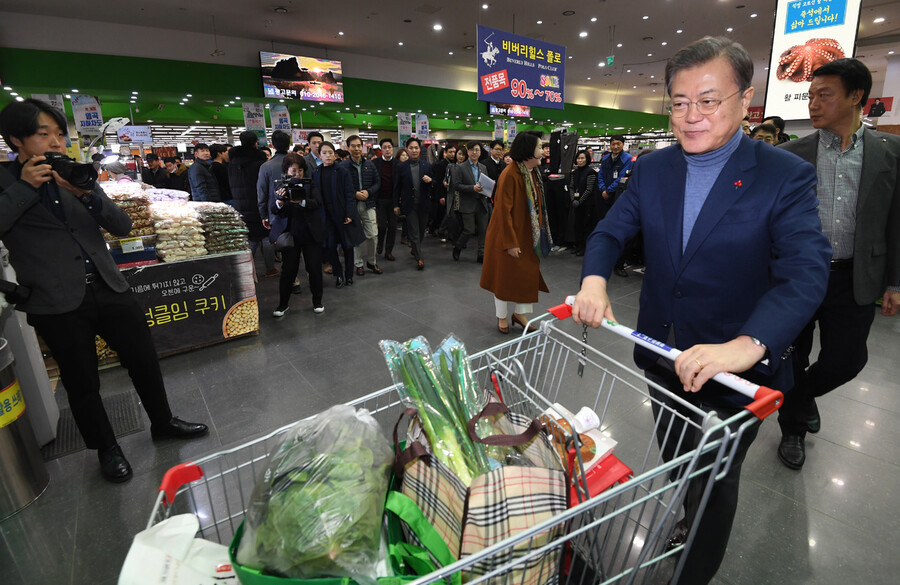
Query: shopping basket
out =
(617, 529)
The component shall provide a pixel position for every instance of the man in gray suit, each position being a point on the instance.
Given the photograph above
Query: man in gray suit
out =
(474, 207)
(859, 206)
(52, 231)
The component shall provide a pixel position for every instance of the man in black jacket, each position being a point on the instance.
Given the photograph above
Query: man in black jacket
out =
(243, 174)
(52, 231)
(384, 201)
(439, 193)
(366, 182)
(494, 161)
(219, 168)
(203, 184)
(176, 175)
(154, 174)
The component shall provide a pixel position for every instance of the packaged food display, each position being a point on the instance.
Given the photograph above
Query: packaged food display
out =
(166, 195)
(222, 226)
(137, 209)
(179, 233)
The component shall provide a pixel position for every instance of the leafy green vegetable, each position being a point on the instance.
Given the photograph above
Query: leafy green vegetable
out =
(318, 506)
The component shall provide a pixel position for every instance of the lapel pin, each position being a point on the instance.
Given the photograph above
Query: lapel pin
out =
(738, 184)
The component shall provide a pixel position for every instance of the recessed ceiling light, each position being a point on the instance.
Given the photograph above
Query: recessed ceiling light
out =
(570, 56)
(438, 27)
(420, 111)
(134, 93)
(619, 45)
(485, 6)
(879, 20)
(628, 71)
(890, 52)
(231, 102)
(679, 31)
(74, 91)
(282, 101)
(646, 17)
(594, 19)
(450, 53)
(400, 43)
(149, 120)
(13, 93)
(649, 54)
(196, 121)
(601, 64)
(7, 88)
(664, 43)
(340, 32)
(766, 68)
(588, 78)
(237, 97)
(68, 97)
(356, 106)
(582, 34)
(652, 77)
(729, 29)
(189, 95)
(540, 22)
(20, 99)
(754, 15)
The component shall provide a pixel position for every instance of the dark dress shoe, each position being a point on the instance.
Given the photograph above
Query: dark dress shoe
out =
(348, 282)
(339, 282)
(389, 256)
(792, 451)
(178, 429)
(813, 422)
(379, 250)
(420, 265)
(360, 271)
(621, 272)
(456, 252)
(481, 259)
(678, 536)
(113, 465)
(374, 268)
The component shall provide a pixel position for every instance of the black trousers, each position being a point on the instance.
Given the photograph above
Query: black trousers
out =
(336, 236)
(387, 224)
(290, 266)
(843, 330)
(472, 223)
(416, 220)
(117, 318)
(711, 540)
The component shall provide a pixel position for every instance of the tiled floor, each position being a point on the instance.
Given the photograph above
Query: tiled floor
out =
(832, 523)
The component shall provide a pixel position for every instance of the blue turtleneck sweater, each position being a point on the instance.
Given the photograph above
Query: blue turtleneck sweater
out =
(702, 172)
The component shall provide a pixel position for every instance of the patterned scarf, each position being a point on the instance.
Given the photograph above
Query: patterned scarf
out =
(535, 191)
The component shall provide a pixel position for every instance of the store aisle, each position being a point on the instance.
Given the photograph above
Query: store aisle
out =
(832, 523)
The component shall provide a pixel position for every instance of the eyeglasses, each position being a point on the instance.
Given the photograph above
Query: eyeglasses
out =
(707, 106)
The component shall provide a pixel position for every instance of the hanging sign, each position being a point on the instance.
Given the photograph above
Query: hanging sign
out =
(281, 117)
(298, 136)
(498, 129)
(422, 130)
(404, 127)
(137, 134)
(88, 117)
(511, 131)
(514, 69)
(255, 120)
(808, 34)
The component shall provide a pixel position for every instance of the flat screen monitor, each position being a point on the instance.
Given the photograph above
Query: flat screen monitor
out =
(301, 78)
(513, 110)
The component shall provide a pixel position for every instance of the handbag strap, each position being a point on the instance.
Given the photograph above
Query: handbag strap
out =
(431, 540)
(493, 409)
(413, 451)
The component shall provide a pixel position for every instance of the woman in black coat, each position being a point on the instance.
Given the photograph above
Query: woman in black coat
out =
(583, 193)
(342, 223)
(298, 209)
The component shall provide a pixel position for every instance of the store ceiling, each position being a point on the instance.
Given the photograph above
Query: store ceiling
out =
(647, 31)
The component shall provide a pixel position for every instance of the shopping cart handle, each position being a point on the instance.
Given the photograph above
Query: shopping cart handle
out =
(178, 476)
(765, 400)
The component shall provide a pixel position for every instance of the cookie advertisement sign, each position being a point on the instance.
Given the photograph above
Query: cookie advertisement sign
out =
(808, 34)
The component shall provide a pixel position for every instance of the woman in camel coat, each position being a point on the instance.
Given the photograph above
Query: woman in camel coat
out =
(518, 232)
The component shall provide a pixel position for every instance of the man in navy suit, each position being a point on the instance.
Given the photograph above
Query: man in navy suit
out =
(736, 265)
(412, 196)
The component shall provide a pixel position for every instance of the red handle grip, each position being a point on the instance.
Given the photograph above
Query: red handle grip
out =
(178, 476)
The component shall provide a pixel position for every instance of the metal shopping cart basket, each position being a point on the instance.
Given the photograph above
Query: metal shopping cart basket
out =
(618, 527)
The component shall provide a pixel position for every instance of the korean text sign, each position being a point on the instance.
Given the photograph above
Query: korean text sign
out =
(88, 117)
(808, 34)
(517, 70)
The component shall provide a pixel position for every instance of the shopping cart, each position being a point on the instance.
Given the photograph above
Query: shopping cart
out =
(618, 527)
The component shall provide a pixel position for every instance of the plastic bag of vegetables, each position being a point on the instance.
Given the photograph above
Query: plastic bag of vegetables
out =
(317, 509)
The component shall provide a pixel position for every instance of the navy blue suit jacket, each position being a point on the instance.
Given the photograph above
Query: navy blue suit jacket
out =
(756, 262)
(403, 186)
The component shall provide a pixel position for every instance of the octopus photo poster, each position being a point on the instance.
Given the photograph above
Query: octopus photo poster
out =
(808, 34)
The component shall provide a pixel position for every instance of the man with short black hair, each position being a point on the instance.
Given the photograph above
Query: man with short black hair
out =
(736, 265)
(52, 231)
(474, 207)
(154, 174)
(219, 168)
(312, 157)
(612, 168)
(177, 175)
(244, 163)
(778, 122)
(204, 186)
(268, 174)
(439, 193)
(765, 132)
(366, 183)
(859, 206)
(384, 202)
(494, 162)
(412, 196)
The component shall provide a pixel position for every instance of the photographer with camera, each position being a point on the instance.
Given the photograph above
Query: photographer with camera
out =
(51, 211)
(297, 211)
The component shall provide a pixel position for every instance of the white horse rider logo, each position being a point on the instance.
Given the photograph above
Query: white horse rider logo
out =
(488, 55)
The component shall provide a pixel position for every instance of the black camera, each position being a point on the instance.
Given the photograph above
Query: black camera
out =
(80, 175)
(295, 188)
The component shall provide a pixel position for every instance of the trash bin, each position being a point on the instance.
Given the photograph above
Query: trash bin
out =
(23, 476)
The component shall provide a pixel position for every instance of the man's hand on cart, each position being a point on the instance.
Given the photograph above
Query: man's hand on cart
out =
(592, 303)
(696, 365)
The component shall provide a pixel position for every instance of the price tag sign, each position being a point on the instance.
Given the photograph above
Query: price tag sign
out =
(12, 405)
(132, 245)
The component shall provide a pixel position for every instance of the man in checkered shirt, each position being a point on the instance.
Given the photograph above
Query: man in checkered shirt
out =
(859, 205)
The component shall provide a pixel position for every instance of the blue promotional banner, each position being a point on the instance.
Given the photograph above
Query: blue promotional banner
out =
(514, 69)
(281, 118)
